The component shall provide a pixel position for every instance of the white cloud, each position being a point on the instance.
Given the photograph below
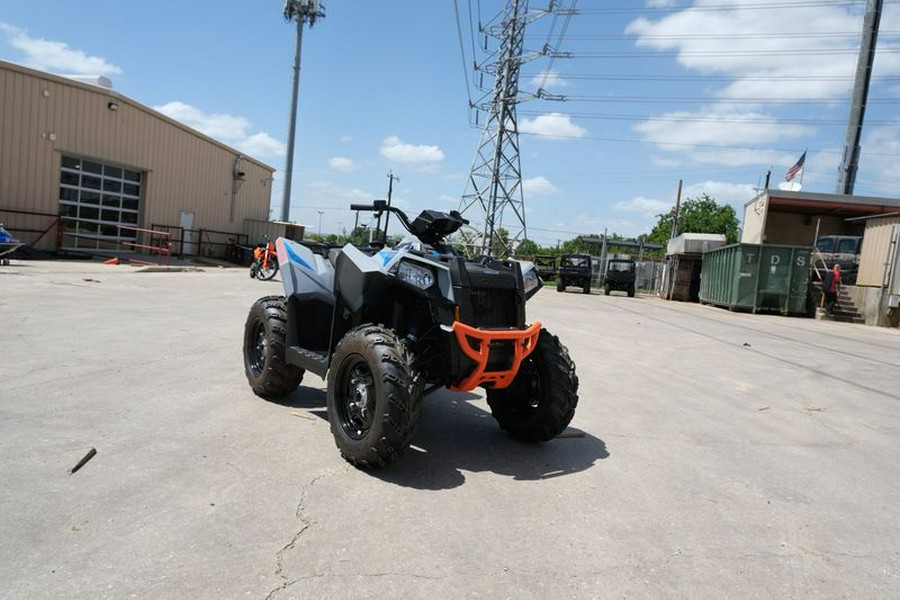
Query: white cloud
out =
(346, 138)
(549, 80)
(735, 194)
(327, 192)
(773, 74)
(261, 145)
(755, 48)
(718, 125)
(648, 207)
(553, 125)
(340, 163)
(538, 186)
(394, 149)
(226, 128)
(47, 55)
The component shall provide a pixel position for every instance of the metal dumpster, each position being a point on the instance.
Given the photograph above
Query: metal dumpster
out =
(756, 277)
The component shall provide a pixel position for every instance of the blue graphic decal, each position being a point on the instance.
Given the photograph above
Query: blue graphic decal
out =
(294, 257)
(386, 256)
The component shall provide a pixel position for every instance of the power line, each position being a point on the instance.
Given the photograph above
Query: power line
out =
(462, 51)
(787, 52)
(726, 36)
(718, 119)
(649, 77)
(707, 100)
(721, 7)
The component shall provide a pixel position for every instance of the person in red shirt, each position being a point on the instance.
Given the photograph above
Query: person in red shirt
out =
(831, 284)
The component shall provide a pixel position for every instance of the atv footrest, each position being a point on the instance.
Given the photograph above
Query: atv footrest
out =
(315, 362)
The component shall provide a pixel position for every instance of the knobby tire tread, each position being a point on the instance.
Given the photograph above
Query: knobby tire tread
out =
(558, 398)
(278, 378)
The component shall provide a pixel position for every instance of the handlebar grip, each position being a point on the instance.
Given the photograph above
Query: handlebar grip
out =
(362, 207)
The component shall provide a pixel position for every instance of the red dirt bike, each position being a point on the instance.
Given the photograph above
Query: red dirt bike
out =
(265, 261)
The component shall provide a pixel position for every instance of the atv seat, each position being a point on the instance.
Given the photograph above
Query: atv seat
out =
(332, 256)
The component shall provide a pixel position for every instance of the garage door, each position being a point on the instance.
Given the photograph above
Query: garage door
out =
(95, 201)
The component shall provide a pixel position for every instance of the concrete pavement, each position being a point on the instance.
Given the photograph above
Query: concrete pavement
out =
(724, 455)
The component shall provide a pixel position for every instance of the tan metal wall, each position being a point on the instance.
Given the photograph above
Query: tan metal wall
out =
(754, 221)
(43, 117)
(876, 250)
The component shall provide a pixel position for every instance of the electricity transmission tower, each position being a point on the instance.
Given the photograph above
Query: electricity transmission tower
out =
(494, 185)
(304, 11)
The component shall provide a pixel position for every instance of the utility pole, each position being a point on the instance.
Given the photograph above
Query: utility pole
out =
(387, 218)
(303, 11)
(850, 161)
(320, 223)
(675, 214)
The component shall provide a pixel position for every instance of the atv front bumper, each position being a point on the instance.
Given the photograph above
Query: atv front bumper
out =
(476, 344)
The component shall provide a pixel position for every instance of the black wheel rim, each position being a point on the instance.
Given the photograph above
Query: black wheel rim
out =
(356, 398)
(256, 352)
(527, 390)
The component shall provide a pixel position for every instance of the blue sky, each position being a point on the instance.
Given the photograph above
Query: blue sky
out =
(712, 92)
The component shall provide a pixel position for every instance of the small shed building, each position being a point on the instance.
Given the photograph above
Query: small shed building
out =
(799, 218)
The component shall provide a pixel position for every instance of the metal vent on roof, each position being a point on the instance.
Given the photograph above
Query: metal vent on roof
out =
(98, 80)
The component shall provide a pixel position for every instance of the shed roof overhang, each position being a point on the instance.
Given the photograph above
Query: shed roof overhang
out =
(838, 205)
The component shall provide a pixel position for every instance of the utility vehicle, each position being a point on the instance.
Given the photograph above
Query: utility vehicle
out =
(574, 269)
(384, 327)
(620, 276)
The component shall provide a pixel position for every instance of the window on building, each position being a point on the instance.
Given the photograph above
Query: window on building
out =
(95, 200)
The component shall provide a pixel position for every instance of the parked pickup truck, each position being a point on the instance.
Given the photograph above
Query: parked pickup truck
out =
(843, 250)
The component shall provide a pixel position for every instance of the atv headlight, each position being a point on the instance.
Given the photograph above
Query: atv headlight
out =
(413, 274)
(531, 281)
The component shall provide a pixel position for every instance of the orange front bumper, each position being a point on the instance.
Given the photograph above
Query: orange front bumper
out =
(523, 341)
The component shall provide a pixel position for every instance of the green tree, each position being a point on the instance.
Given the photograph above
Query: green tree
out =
(500, 243)
(527, 248)
(579, 246)
(697, 215)
(359, 236)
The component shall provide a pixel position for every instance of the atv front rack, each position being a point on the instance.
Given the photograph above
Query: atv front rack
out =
(523, 342)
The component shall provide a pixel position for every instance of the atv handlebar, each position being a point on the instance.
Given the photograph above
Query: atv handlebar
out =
(379, 206)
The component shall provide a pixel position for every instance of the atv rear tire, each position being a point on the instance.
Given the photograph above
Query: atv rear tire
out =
(560, 286)
(264, 344)
(373, 396)
(541, 401)
(631, 291)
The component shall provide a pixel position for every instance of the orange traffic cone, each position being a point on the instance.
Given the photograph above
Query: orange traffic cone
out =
(112, 261)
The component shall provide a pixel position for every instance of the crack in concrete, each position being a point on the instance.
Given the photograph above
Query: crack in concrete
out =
(300, 513)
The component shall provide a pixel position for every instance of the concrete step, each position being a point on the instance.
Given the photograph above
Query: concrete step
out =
(841, 315)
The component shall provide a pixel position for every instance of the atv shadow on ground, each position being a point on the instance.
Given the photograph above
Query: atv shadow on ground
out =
(457, 433)
(307, 398)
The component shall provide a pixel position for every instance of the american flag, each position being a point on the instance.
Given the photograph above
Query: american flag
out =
(796, 169)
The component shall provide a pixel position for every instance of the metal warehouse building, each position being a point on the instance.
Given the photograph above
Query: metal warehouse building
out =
(83, 168)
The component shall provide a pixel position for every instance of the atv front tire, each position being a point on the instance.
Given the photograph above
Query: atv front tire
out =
(560, 285)
(541, 401)
(631, 291)
(373, 396)
(264, 344)
(586, 288)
